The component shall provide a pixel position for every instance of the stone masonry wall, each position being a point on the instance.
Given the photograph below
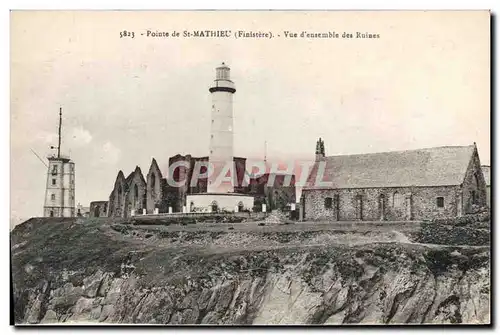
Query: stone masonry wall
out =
(116, 203)
(422, 200)
(154, 190)
(134, 202)
(98, 207)
(472, 184)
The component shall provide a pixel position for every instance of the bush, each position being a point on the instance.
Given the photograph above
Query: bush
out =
(470, 229)
(466, 220)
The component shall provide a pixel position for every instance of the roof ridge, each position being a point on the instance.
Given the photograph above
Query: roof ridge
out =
(400, 151)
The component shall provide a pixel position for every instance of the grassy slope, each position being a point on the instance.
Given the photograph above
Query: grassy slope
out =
(81, 246)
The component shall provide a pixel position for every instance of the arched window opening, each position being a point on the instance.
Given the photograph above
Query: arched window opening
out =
(177, 174)
(476, 179)
(153, 181)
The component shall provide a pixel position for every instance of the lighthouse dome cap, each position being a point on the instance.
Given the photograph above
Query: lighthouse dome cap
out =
(223, 66)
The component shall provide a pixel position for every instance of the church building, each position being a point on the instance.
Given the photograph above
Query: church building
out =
(399, 185)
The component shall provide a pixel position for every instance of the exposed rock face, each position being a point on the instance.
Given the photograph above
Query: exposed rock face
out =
(131, 281)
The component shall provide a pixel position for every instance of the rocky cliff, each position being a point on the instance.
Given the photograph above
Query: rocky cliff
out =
(70, 270)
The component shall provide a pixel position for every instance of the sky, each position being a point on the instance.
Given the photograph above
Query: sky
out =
(424, 83)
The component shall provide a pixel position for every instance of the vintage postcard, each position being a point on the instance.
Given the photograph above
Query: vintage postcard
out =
(250, 167)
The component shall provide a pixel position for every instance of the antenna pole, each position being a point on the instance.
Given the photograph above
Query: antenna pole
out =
(265, 151)
(60, 122)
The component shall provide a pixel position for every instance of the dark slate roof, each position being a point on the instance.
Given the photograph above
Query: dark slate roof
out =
(422, 167)
(486, 172)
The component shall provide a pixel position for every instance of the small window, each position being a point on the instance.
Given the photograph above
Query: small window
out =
(328, 202)
(440, 202)
(54, 170)
(52, 197)
(53, 181)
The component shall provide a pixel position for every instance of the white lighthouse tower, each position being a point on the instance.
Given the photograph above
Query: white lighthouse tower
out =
(60, 190)
(220, 194)
(221, 131)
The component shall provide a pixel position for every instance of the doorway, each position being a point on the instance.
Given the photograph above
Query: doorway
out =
(215, 207)
(381, 206)
(359, 207)
(336, 200)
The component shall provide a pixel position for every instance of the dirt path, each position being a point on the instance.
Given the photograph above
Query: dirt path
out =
(204, 242)
(361, 226)
(210, 250)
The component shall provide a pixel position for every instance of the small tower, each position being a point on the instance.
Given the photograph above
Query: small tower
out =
(60, 189)
(221, 128)
(320, 150)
